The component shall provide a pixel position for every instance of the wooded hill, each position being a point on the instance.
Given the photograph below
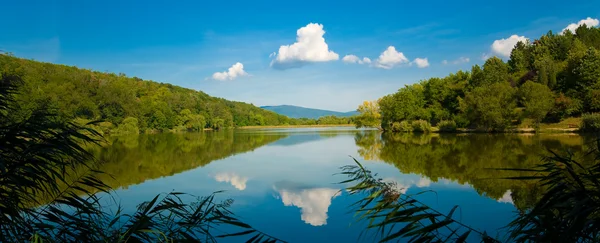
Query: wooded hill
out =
(151, 106)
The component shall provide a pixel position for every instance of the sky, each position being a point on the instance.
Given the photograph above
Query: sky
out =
(319, 54)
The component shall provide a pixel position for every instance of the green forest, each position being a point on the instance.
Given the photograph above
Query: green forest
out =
(128, 105)
(545, 81)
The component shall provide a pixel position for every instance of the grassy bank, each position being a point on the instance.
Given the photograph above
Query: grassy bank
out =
(294, 126)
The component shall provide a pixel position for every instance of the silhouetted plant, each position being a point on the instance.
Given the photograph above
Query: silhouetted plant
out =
(568, 211)
(393, 215)
(40, 201)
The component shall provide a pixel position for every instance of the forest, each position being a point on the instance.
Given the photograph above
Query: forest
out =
(126, 105)
(544, 81)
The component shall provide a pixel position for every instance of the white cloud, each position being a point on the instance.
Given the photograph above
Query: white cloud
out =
(354, 59)
(506, 198)
(460, 60)
(237, 70)
(232, 178)
(573, 26)
(421, 62)
(314, 203)
(350, 59)
(310, 46)
(390, 58)
(503, 47)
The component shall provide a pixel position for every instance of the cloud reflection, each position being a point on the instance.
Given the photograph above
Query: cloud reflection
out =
(232, 178)
(313, 202)
(506, 198)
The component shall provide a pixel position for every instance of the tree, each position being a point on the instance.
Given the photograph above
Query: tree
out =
(490, 107)
(128, 126)
(369, 115)
(196, 122)
(519, 58)
(538, 100)
(495, 71)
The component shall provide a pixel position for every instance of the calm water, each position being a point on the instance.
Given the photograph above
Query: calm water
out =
(283, 182)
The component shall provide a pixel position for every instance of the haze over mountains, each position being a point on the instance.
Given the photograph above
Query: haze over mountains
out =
(303, 112)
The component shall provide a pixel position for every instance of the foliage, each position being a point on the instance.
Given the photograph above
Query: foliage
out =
(127, 127)
(590, 122)
(421, 126)
(49, 190)
(403, 126)
(368, 115)
(567, 210)
(383, 206)
(490, 107)
(537, 99)
(85, 94)
(447, 126)
(565, 65)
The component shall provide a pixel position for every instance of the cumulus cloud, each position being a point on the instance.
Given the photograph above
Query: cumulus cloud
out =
(460, 60)
(503, 47)
(237, 70)
(310, 46)
(390, 58)
(313, 202)
(232, 178)
(354, 59)
(573, 26)
(421, 62)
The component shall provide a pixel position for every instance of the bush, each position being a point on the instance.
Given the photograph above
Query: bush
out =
(128, 126)
(402, 126)
(421, 126)
(590, 122)
(447, 126)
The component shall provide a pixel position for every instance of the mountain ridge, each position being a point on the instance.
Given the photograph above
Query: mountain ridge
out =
(293, 111)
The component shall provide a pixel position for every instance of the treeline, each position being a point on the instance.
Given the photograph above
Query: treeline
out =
(552, 78)
(130, 104)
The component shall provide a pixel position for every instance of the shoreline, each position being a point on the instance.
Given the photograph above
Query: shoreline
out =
(292, 126)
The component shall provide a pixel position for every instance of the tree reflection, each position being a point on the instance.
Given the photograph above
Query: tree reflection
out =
(469, 158)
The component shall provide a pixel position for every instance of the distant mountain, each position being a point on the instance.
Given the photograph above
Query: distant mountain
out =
(302, 112)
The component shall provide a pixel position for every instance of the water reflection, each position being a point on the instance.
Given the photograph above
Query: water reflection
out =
(282, 180)
(469, 159)
(131, 160)
(313, 202)
(232, 178)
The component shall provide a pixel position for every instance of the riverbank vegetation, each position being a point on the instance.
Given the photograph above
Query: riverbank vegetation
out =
(545, 81)
(50, 191)
(130, 105)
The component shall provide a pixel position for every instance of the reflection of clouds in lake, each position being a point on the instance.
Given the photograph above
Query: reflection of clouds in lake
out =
(314, 202)
(402, 184)
(506, 198)
(232, 178)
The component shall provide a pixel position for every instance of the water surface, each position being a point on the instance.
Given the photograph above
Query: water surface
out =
(283, 180)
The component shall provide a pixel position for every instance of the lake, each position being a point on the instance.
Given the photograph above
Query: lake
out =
(283, 181)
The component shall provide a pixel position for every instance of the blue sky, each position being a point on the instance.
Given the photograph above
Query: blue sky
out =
(194, 43)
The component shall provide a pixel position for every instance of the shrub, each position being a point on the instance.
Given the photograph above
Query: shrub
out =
(421, 126)
(128, 126)
(402, 126)
(447, 126)
(590, 122)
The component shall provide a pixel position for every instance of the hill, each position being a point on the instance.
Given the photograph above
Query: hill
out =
(81, 94)
(302, 112)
